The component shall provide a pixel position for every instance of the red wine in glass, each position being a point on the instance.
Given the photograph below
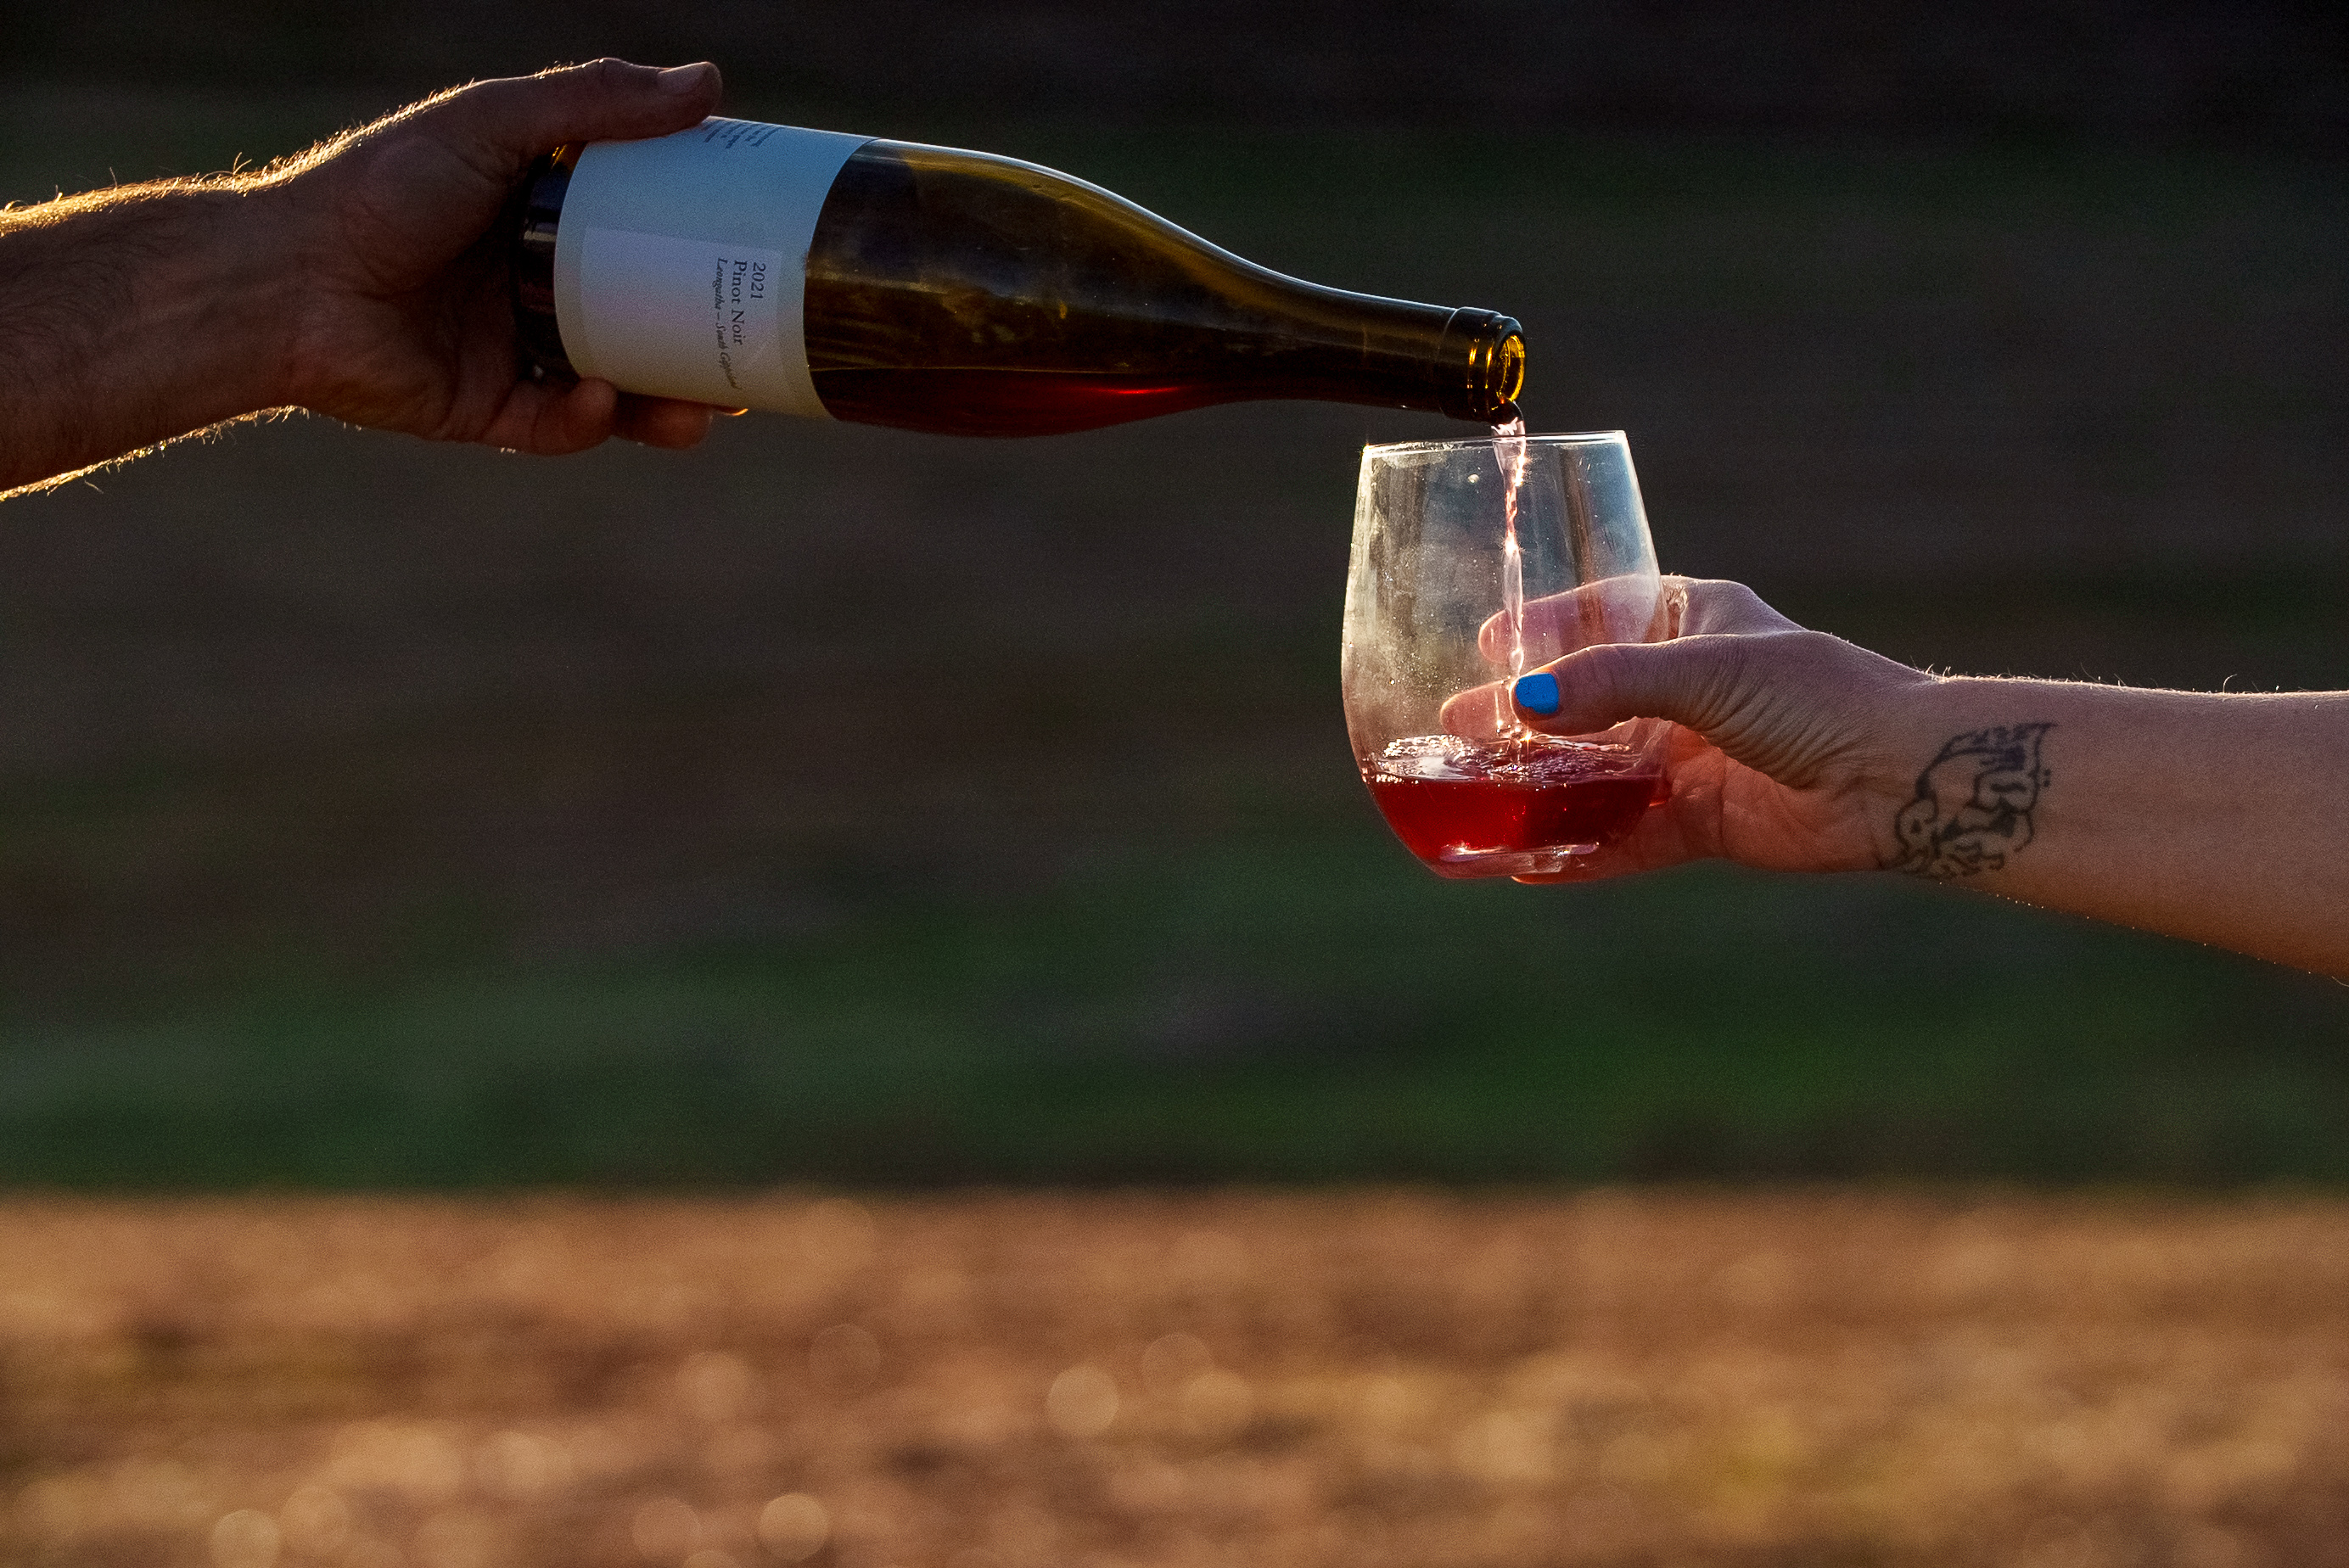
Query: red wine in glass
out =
(1514, 807)
(1439, 548)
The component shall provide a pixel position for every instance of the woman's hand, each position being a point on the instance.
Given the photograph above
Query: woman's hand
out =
(1780, 750)
(2211, 816)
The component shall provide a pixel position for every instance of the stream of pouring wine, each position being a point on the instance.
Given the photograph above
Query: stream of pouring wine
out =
(1509, 450)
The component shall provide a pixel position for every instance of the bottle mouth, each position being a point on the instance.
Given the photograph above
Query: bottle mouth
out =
(1482, 362)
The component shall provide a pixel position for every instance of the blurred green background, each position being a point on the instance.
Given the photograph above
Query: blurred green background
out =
(843, 805)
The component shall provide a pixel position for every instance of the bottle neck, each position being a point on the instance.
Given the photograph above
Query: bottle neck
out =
(1344, 348)
(1481, 365)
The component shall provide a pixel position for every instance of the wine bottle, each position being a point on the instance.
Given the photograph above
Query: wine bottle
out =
(805, 271)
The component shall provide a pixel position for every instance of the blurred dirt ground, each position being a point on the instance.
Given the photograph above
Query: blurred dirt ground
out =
(1373, 1377)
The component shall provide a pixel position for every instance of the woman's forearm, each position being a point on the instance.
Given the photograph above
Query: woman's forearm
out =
(2217, 817)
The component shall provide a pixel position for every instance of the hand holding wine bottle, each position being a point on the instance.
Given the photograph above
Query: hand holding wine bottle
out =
(393, 275)
(365, 279)
(406, 310)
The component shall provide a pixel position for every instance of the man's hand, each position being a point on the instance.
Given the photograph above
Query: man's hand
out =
(364, 280)
(405, 321)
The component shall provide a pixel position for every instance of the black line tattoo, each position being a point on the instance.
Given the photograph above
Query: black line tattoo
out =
(1973, 803)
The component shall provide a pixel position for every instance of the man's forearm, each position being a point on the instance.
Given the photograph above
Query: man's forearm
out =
(129, 317)
(2214, 817)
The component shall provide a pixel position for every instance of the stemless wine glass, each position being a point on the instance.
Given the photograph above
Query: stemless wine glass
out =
(1433, 644)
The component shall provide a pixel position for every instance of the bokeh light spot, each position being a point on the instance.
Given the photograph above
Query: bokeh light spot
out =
(1081, 1402)
(794, 1526)
(1217, 1404)
(247, 1538)
(844, 1359)
(1172, 1360)
(315, 1522)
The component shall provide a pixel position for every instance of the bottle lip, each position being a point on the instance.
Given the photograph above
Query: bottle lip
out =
(1481, 365)
(1560, 438)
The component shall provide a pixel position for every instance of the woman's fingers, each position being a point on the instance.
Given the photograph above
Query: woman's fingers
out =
(1704, 605)
(1480, 713)
(1611, 610)
(1691, 681)
(1791, 703)
(1620, 648)
(1631, 609)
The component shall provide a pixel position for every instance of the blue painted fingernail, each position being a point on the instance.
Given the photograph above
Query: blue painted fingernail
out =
(1538, 694)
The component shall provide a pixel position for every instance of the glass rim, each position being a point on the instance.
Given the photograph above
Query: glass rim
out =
(1464, 443)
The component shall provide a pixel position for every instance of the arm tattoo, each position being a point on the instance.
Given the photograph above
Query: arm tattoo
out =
(1973, 803)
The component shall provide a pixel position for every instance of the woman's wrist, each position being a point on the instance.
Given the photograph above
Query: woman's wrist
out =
(1962, 786)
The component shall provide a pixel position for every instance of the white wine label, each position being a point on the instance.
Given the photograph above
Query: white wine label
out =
(680, 266)
(702, 322)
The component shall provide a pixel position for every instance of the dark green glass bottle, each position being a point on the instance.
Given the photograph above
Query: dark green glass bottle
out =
(894, 284)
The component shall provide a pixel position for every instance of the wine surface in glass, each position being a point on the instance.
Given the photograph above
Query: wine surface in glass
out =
(1511, 807)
